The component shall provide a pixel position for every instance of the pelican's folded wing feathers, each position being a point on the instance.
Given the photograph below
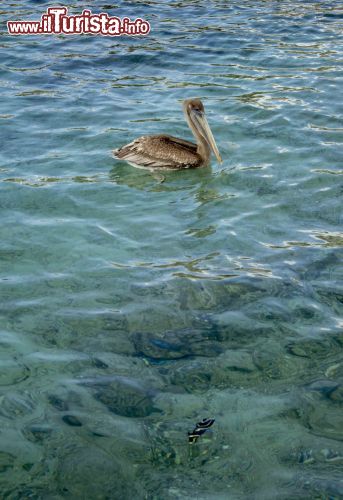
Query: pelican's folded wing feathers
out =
(159, 151)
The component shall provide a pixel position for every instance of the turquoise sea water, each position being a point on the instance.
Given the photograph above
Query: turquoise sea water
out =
(133, 308)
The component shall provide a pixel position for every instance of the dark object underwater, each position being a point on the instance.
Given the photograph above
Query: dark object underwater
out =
(200, 428)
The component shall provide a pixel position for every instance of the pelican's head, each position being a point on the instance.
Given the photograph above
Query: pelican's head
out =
(195, 114)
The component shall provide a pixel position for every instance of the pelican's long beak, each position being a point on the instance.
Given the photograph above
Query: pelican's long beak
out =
(199, 120)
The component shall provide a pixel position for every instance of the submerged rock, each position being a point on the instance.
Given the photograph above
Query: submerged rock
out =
(175, 345)
(330, 488)
(58, 403)
(337, 394)
(7, 461)
(192, 375)
(325, 386)
(305, 457)
(71, 420)
(159, 347)
(31, 493)
(124, 396)
(37, 432)
(92, 473)
(312, 348)
(332, 456)
(17, 404)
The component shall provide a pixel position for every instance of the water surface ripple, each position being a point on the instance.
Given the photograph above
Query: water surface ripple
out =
(132, 308)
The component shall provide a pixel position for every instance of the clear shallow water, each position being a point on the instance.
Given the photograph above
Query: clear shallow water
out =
(131, 308)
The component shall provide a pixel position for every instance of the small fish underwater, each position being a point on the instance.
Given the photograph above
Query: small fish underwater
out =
(200, 429)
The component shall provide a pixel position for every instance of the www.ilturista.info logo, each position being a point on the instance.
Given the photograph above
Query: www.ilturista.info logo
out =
(57, 21)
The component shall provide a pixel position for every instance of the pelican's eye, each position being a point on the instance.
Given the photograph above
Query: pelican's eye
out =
(197, 109)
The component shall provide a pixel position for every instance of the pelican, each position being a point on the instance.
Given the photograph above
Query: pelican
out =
(167, 152)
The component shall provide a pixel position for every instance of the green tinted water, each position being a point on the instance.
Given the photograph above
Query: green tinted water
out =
(130, 308)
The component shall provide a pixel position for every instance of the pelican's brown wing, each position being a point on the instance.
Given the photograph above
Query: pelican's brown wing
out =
(159, 151)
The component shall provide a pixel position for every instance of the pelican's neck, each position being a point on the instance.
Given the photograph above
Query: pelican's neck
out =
(203, 149)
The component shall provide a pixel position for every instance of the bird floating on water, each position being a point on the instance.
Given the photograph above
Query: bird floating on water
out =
(171, 153)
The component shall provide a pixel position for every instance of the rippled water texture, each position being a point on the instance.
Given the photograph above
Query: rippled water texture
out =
(132, 308)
